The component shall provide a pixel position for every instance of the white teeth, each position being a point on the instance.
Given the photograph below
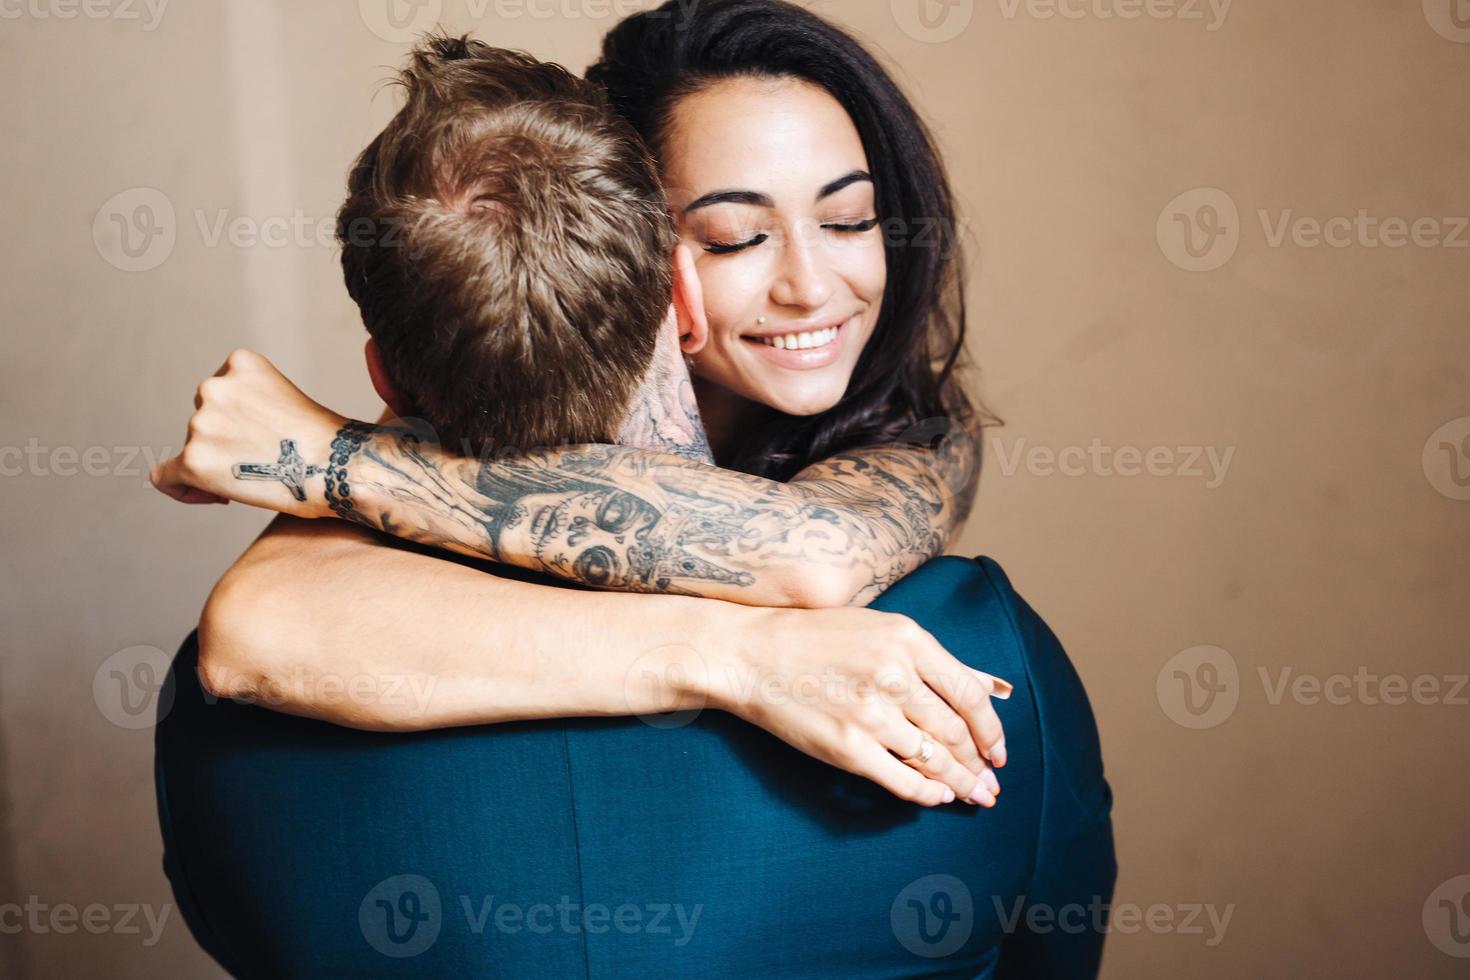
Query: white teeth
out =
(801, 341)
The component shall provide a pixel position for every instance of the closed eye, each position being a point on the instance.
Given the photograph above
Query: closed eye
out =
(868, 225)
(726, 248)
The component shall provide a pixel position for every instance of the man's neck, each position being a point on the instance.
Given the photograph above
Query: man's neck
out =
(725, 415)
(664, 415)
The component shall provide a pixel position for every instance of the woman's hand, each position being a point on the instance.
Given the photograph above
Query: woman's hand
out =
(862, 690)
(254, 438)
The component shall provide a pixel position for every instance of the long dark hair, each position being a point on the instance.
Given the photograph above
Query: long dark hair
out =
(906, 374)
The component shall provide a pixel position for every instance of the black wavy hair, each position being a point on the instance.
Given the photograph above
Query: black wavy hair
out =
(906, 374)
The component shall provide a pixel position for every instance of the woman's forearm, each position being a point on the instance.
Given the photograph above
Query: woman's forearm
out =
(610, 516)
(325, 620)
(630, 519)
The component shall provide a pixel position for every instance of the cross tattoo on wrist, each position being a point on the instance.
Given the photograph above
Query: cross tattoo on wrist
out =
(294, 471)
(290, 469)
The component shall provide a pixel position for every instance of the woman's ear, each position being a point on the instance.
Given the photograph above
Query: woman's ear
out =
(383, 382)
(689, 303)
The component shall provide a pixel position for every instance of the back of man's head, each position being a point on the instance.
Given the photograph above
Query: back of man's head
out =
(507, 242)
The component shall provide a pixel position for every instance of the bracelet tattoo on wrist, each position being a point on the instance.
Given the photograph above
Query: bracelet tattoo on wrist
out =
(339, 491)
(290, 469)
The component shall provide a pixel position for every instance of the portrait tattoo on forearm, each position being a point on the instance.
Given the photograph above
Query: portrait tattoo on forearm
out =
(646, 521)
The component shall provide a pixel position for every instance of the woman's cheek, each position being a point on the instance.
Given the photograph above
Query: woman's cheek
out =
(734, 296)
(867, 267)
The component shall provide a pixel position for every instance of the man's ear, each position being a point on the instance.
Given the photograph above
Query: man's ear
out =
(383, 382)
(689, 303)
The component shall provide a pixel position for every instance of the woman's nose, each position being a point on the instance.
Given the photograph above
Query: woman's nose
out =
(803, 280)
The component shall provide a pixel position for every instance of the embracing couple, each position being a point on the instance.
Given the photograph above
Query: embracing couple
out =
(652, 525)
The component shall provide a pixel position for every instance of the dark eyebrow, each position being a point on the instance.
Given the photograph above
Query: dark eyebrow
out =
(856, 177)
(759, 200)
(731, 197)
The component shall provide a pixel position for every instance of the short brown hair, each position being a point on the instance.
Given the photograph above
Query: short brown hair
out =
(507, 242)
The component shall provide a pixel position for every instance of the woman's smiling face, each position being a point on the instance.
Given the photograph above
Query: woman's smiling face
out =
(769, 182)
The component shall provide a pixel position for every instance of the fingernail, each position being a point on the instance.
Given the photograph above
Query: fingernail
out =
(991, 782)
(948, 795)
(980, 796)
(1003, 687)
(998, 754)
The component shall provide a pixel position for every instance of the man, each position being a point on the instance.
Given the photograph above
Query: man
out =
(686, 844)
(506, 240)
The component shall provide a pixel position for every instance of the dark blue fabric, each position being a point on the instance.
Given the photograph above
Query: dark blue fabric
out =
(619, 848)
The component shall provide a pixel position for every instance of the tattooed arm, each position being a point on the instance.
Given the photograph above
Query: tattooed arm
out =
(629, 519)
(614, 517)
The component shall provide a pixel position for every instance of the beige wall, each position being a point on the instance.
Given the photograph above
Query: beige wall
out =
(1330, 546)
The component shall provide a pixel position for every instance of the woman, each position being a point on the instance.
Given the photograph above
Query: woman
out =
(811, 195)
(822, 223)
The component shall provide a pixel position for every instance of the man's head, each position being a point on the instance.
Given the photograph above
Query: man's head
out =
(507, 242)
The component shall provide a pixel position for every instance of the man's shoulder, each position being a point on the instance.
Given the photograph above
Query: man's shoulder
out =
(953, 584)
(966, 600)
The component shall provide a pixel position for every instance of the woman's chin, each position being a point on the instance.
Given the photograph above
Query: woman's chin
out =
(804, 395)
(802, 403)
